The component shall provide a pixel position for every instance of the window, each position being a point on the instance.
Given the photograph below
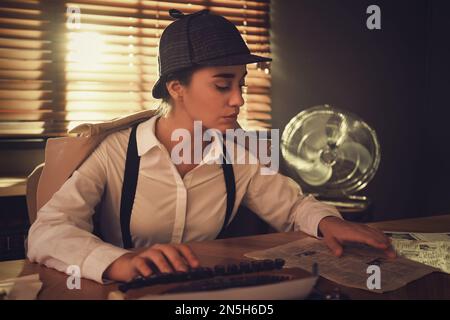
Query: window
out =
(56, 73)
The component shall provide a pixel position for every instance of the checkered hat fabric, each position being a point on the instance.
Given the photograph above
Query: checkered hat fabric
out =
(200, 39)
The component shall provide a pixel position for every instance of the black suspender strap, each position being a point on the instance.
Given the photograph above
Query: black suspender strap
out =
(230, 185)
(129, 188)
(130, 182)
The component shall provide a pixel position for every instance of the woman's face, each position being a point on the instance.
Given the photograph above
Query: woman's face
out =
(214, 96)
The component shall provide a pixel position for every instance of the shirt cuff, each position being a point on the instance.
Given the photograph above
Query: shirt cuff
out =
(324, 215)
(316, 212)
(99, 260)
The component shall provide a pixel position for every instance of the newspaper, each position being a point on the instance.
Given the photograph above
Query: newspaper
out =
(418, 236)
(432, 249)
(352, 268)
(20, 288)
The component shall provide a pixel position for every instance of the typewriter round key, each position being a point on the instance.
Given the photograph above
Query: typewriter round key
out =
(232, 269)
(268, 264)
(279, 263)
(197, 273)
(209, 272)
(180, 276)
(260, 265)
(219, 270)
(165, 278)
(245, 267)
(255, 266)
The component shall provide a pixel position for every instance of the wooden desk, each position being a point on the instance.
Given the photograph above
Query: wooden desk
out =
(433, 286)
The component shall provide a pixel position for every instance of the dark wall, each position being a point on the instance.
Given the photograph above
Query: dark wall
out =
(436, 151)
(324, 54)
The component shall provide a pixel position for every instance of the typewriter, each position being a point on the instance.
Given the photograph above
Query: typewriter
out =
(250, 280)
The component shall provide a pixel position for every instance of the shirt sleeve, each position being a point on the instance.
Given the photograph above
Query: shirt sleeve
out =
(62, 234)
(279, 200)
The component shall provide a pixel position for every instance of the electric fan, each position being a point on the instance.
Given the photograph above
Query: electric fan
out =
(332, 153)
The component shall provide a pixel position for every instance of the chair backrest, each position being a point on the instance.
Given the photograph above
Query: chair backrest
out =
(63, 155)
(31, 191)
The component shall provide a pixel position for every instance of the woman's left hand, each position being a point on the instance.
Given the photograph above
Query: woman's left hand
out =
(336, 231)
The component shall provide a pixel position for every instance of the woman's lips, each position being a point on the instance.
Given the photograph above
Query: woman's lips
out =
(231, 117)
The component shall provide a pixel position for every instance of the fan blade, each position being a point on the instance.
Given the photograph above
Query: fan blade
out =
(314, 173)
(357, 154)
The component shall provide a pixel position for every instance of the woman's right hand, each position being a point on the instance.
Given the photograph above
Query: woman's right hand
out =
(163, 257)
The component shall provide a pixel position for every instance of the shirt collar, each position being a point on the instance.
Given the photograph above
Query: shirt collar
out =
(145, 136)
(146, 139)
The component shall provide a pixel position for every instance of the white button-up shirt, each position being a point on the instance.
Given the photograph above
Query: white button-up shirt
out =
(167, 208)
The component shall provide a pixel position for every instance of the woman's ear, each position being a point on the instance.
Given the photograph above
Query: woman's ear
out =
(175, 89)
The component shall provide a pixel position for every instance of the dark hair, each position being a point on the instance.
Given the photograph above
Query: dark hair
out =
(184, 76)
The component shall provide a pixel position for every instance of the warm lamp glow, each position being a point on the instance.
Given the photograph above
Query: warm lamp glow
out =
(85, 48)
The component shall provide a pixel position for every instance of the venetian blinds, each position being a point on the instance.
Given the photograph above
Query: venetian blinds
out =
(67, 62)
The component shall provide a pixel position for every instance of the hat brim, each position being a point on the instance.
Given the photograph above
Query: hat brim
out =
(234, 60)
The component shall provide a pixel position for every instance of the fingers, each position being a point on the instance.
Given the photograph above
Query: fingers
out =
(189, 255)
(386, 247)
(157, 257)
(374, 238)
(380, 236)
(385, 243)
(334, 246)
(173, 256)
(166, 258)
(343, 231)
(382, 242)
(367, 235)
(373, 242)
(141, 266)
(390, 253)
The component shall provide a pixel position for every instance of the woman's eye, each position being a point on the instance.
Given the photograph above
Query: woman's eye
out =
(226, 88)
(222, 88)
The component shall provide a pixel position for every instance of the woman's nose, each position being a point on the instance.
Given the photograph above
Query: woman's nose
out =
(236, 99)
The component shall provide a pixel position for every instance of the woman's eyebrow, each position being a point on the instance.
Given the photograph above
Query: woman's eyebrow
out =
(228, 75)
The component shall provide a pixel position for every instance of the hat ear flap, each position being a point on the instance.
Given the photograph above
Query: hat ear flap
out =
(176, 14)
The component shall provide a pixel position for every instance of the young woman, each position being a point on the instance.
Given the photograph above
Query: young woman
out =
(202, 70)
